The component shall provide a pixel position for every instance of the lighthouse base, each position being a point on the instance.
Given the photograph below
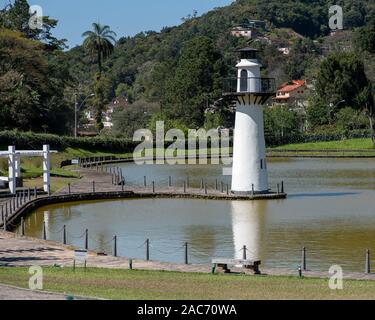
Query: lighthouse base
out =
(249, 193)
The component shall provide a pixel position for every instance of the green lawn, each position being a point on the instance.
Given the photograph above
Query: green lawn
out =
(350, 144)
(144, 285)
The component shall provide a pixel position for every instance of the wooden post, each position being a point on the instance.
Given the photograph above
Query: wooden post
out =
(69, 191)
(35, 193)
(278, 188)
(148, 250)
(29, 194)
(5, 223)
(87, 239)
(170, 182)
(122, 185)
(368, 262)
(202, 184)
(216, 185)
(93, 186)
(184, 186)
(222, 187)
(205, 188)
(244, 253)
(282, 187)
(130, 264)
(304, 264)
(44, 231)
(252, 190)
(153, 186)
(22, 227)
(145, 181)
(227, 189)
(186, 253)
(115, 246)
(64, 235)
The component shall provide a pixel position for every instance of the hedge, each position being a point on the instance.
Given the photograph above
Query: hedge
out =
(29, 140)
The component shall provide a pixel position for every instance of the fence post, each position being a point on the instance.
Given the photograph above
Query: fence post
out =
(115, 246)
(22, 227)
(227, 189)
(282, 187)
(170, 182)
(64, 235)
(186, 253)
(368, 262)
(35, 193)
(87, 239)
(304, 264)
(145, 181)
(44, 231)
(244, 253)
(29, 194)
(216, 185)
(148, 250)
(153, 186)
(184, 186)
(93, 186)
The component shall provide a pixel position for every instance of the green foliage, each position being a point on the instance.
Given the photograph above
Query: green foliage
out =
(136, 116)
(30, 140)
(280, 122)
(99, 43)
(365, 37)
(198, 77)
(349, 119)
(102, 87)
(31, 85)
(16, 17)
(342, 77)
(317, 113)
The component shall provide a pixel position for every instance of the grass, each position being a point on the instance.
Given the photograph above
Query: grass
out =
(159, 285)
(350, 144)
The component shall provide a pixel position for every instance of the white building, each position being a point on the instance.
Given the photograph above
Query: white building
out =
(249, 174)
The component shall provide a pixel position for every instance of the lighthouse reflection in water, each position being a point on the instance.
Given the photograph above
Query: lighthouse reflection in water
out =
(248, 223)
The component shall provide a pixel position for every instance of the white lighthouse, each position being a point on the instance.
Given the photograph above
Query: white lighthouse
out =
(249, 174)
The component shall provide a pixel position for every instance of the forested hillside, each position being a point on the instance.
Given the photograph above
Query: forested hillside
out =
(180, 70)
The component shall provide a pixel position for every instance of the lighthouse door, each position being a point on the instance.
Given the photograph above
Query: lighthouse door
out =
(243, 81)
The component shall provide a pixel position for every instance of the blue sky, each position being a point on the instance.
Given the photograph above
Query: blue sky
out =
(126, 17)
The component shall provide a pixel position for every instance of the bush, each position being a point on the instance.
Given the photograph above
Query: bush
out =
(29, 140)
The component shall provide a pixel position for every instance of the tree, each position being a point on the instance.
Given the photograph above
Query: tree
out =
(365, 37)
(197, 80)
(342, 78)
(102, 90)
(17, 17)
(99, 43)
(31, 86)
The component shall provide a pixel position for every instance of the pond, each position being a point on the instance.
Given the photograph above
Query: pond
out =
(330, 210)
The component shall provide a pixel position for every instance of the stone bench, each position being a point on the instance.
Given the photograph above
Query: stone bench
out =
(221, 265)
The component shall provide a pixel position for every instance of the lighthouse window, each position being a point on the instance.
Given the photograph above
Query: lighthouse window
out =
(243, 81)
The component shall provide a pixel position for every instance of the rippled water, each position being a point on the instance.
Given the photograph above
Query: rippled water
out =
(330, 210)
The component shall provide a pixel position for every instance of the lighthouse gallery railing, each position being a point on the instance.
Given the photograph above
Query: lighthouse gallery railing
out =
(249, 85)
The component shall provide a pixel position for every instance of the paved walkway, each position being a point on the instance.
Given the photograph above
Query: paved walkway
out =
(16, 251)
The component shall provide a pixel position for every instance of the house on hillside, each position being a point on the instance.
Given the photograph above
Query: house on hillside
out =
(88, 125)
(241, 31)
(294, 94)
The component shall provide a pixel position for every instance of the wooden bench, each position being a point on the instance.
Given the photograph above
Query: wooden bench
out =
(221, 265)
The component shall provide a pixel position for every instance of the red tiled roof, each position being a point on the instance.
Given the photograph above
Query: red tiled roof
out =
(291, 86)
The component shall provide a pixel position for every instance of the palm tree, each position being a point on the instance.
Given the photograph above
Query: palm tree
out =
(99, 43)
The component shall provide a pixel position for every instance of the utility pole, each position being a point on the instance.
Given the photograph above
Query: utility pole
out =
(75, 115)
